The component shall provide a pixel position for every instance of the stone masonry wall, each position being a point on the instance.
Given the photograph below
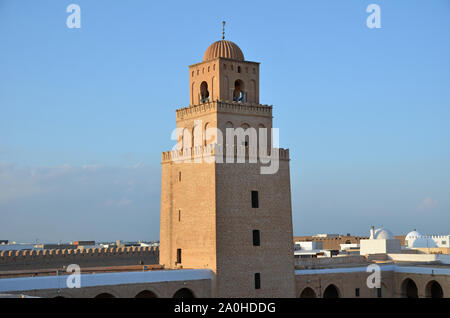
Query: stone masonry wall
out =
(90, 257)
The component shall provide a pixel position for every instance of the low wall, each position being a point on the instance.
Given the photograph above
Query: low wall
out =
(321, 262)
(441, 258)
(432, 250)
(90, 257)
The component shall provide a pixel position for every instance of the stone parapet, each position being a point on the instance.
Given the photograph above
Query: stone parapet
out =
(57, 258)
(195, 154)
(223, 107)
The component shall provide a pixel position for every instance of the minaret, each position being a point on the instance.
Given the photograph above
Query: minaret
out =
(228, 217)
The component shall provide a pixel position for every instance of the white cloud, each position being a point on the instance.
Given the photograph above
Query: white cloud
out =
(428, 203)
(118, 203)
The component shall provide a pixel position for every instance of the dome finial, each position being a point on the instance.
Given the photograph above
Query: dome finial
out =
(223, 30)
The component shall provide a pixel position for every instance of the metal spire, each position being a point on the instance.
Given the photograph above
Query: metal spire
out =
(223, 30)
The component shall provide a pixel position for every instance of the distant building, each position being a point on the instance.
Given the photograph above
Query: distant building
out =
(327, 235)
(55, 246)
(331, 242)
(352, 248)
(308, 245)
(415, 239)
(381, 241)
(84, 243)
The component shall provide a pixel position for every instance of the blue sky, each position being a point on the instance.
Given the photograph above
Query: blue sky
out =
(86, 112)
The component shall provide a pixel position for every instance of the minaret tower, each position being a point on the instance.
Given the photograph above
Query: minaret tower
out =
(228, 217)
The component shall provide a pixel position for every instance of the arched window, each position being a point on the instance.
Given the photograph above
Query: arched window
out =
(213, 79)
(146, 294)
(331, 292)
(409, 289)
(204, 93)
(308, 293)
(209, 135)
(104, 295)
(186, 139)
(252, 92)
(197, 136)
(226, 88)
(238, 92)
(230, 125)
(434, 290)
(184, 293)
(246, 126)
(263, 135)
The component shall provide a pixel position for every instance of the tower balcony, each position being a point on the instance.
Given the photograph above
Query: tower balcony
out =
(223, 107)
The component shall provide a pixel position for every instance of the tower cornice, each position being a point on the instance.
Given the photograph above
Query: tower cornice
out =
(223, 59)
(224, 107)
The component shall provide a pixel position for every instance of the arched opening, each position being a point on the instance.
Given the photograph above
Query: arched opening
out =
(434, 290)
(209, 135)
(226, 88)
(104, 295)
(246, 126)
(263, 137)
(184, 293)
(409, 289)
(331, 292)
(348, 242)
(308, 293)
(228, 125)
(213, 79)
(204, 93)
(186, 141)
(146, 294)
(196, 136)
(238, 92)
(252, 92)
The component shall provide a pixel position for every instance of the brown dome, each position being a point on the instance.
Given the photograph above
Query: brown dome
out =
(225, 49)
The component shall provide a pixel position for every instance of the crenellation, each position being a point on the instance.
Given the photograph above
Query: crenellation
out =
(56, 258)
(214, 149)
